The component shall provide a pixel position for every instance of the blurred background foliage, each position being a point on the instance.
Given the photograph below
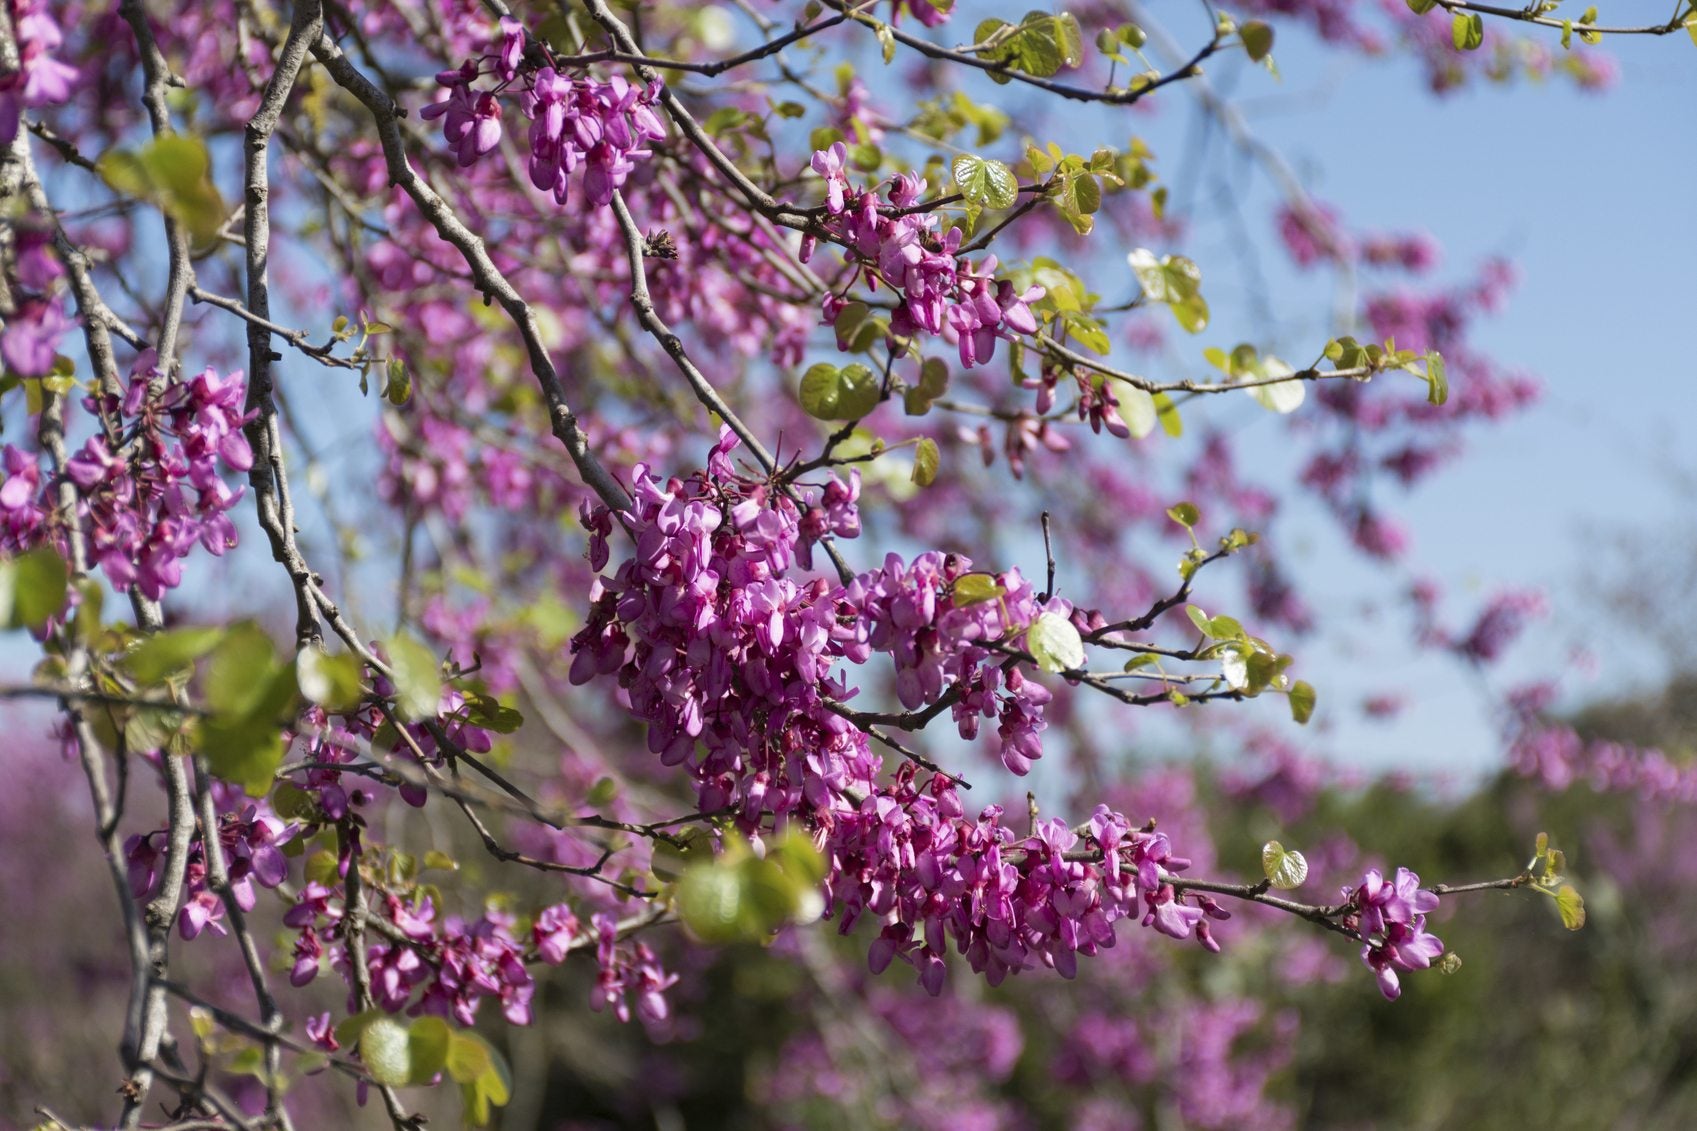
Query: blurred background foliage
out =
(1540, 1027)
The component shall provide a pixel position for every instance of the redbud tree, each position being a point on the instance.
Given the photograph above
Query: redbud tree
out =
(596, 485)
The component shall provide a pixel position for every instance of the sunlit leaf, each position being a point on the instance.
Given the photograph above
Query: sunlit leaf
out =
(1054, 643)
(418, 678)
(32, 588)
(1286, 869)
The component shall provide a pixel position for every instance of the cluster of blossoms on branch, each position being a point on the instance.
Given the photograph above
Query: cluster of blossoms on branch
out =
(938, 621)
(602, 126)
(40, 79)
(29, 342)
(909, 857)
(1391, 917)
(150, 489)
(937, 290)
(724, 656)
(251, 838)
(446, 966)
(731, 664)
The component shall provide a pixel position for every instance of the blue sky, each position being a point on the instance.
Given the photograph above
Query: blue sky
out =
(1591, 197)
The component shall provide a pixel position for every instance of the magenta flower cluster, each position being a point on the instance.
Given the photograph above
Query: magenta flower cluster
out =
(29, 340)
(40, 79)
(910, 857)
(725, 657)
(625, 971)
(1391, 918)
(252, 844)
(602, 126)
(731, 663)
(931, 13)
(939, 635)
(458, 964)
(901, 246)
(145, 505)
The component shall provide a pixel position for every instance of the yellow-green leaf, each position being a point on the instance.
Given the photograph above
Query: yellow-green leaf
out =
(386, 1050)
(32, 588)
(418, 678)
(1302, 700)
(1054, 643)
(1571, 906)
(925, 460)
(1285, 868)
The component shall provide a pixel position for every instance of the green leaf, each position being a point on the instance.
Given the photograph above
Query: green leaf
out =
(1438, 384)
(1286, 870)
(1174, 280)
(1185, 514)
(933, 383)
(986, 182)
(824, 137)
(711, 902)
(1571, 907)
(239, 672)
(349, 1029)
(1223, 627)
(1137, 409)
(174, 173)
(1467, 31)
(925, 460)
(245, 746)
(1040, 45)
(1301, 702)
(1167, 412)
(1147, 267)
(330, 681)
(87, 622)
(1421, 7)
(974, 588)
(490, 713)
(468, 1058)
(934, 377)
(292, 803)
(1054, 643)
(796, 855)
(1191, 314)
(32, 588)
(1257, 39)
(830, 393)
(152, 728)
(399, 388)
(484, 1079)
(1585, 20)
(887, 41)
(1258, 672)
(602, 793)
(385, 1048)
(418, 678)
(427, 1045)
(672, 857)
(1283, 397)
